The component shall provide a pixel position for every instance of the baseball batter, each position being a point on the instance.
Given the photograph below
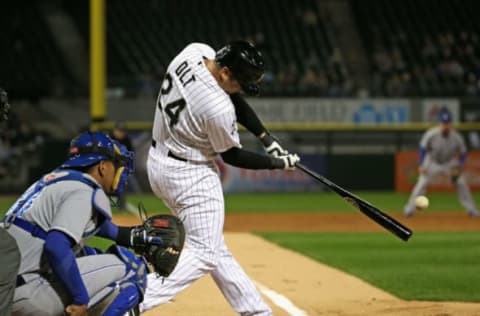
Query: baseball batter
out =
(442, 151)
(196, 117)
(51, 221)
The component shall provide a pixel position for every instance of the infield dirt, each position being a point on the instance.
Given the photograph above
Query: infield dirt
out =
(312, 287)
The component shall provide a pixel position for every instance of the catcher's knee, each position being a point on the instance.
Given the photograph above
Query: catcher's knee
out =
(136, 271)
(125, 294)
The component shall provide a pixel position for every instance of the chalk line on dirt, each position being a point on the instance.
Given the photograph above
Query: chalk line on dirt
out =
(281, 301)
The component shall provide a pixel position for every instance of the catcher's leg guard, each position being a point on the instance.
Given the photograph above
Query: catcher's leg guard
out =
(136, 267)
(127, 299)
(126, 294)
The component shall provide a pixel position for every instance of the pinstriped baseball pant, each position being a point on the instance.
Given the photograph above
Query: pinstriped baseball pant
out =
(194, 192)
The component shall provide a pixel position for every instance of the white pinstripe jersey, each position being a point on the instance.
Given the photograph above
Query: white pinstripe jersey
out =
(194, 118)
(442, 149)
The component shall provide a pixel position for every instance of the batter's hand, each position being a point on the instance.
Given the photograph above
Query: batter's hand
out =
(76, 310)
(272, 146)
(275, 150)
(289, 161)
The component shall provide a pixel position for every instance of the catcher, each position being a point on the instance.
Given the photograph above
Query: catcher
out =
(57, 214)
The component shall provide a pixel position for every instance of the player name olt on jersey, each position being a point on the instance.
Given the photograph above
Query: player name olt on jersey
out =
(191, 107)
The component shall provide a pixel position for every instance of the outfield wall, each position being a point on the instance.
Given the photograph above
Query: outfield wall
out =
(355, 141)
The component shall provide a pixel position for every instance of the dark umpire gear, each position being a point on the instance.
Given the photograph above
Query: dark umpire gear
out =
(245, 62)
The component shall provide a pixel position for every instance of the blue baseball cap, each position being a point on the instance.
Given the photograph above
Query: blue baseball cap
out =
(445, 116)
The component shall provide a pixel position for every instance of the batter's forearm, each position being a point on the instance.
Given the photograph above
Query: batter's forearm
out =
(247, 116)
(249, 160)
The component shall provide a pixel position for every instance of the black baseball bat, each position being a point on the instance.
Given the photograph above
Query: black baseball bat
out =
(363, 206)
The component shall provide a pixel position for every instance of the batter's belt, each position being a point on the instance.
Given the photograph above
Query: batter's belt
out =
(169, 154)
(174, 156)
(20, 281)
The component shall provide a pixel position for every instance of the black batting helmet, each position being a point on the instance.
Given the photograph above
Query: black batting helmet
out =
(245, 62)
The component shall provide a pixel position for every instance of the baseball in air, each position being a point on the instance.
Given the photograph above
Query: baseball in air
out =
(421, 202)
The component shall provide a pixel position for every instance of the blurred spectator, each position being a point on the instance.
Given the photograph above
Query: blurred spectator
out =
(147, 86)
(288, 77)
(120, 134)
(20, 147)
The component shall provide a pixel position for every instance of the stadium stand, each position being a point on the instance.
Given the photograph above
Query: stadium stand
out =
(143, 36)
(421, 48)
(32, 65)
(415, 48)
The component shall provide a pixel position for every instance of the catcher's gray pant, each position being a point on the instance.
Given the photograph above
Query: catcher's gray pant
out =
(434, 169)
(194, 192)
(46, 298)
(9, 264)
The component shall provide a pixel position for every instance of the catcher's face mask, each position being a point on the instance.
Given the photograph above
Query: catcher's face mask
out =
(92, 147)
(124, 162)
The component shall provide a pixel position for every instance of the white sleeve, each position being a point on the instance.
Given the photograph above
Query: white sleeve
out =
(204, 49)
(461, 143)
(426, 138)
(222, 131)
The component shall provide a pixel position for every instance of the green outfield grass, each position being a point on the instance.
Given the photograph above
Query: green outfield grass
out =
(313, 202)
(431, 266)
(304, 202)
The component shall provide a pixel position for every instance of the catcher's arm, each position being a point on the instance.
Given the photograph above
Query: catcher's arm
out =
(160, 240)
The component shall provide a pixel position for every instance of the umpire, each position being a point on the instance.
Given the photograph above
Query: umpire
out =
(9, 254)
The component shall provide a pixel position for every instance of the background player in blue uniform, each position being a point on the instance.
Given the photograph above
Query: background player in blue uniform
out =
(442, 151)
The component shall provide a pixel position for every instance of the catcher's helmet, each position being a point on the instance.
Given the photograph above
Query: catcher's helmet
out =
(90, 148)
(245, 62)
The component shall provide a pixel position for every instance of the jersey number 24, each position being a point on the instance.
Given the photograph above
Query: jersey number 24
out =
(173, 108)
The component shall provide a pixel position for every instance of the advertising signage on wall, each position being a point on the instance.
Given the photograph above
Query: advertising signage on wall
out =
(314, 110)
(406, 173)
(246, 180)
(432, 107)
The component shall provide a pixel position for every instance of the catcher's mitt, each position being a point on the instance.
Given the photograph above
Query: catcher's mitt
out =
(160, 240)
